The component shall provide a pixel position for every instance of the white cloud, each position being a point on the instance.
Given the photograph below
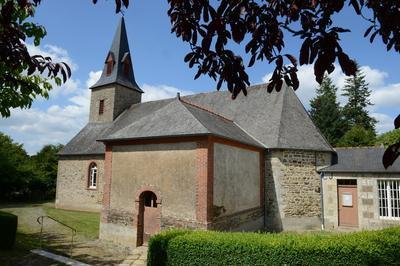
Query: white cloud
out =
(94, 76)
(385, 122)
(59, 122)
(158, 92)
(383, 95)
(388, 96)
(374, 77)
(57, 54)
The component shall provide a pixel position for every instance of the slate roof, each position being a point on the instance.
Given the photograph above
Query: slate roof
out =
(274, 120)
(120, 51)
(361, 160)
(179, 118)
(277, 119)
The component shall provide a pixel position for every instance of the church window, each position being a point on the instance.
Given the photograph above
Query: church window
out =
(93, 176)
(101, 107)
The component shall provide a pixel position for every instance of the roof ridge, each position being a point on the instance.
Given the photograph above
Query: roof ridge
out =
(280, 117)
(250, 135)
(204, 109)
(359, 147)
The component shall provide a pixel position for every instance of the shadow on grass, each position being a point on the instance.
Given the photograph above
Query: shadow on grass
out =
(57, 244)
(22, 204)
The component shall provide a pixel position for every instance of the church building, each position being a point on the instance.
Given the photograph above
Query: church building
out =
(202, 161)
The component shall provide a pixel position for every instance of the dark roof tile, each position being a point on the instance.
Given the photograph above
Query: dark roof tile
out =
(274, 120)
(361, 160)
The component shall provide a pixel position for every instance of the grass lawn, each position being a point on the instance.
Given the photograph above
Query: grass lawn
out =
(56, 237)
(85, 223)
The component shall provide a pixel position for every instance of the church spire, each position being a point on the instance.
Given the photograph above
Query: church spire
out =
(118, 67)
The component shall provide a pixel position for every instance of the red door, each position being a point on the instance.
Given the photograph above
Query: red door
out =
(348, 205)
(151, 222)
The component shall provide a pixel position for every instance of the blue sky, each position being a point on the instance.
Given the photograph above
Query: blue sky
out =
(80, 33)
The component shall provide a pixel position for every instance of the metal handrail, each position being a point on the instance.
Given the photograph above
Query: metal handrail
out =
(73, 230)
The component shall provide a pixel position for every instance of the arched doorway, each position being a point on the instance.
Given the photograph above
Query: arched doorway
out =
(148, 222)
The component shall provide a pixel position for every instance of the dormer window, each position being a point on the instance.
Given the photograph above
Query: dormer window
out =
(126, 65)
(109, 64)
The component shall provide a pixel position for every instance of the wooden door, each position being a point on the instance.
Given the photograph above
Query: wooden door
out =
(151, 222)
(348, 204)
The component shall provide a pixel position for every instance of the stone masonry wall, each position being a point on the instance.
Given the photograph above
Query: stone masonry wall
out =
(116, 99)
(293, 199)
(72, 183)
(367, 194)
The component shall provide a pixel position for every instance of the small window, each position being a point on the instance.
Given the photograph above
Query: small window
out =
(389, 199)
(101, 107)
(150, 199)
(127, 67)
(110, 65)
(93, 176)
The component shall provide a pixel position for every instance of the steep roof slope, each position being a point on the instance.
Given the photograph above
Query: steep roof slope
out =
(120, 51)
(178, 118)
(275, 120)
(361, 160)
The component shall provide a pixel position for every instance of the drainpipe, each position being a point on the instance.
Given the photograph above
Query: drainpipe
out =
(322, 203)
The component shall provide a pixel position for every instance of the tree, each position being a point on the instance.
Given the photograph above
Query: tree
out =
(326, 112)
(389, 138)
(393, 151)
(22, 76)
(357, 136)
(15, 169)
(209, 27)
(355, 111)
(45, 163)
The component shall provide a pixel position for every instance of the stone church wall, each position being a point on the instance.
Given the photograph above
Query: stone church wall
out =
(167, 168)
(236, 193)
(293, 199)
(116, 99)
(72, 183)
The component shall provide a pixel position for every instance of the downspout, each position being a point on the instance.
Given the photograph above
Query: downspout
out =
(322, 203)
(321, 193)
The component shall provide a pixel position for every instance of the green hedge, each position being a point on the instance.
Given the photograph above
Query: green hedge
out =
(8, 229)
(176, 247)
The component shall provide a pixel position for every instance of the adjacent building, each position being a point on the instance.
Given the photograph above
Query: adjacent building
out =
(359, 193)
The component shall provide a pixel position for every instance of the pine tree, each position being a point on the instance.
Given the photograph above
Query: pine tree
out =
(326, 112)
(355, 111)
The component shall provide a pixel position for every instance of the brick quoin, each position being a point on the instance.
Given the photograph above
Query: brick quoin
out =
(204, 173)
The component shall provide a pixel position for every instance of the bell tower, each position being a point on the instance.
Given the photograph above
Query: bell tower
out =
(116, 89)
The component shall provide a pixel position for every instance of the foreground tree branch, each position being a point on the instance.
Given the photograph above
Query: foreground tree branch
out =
(24, 76)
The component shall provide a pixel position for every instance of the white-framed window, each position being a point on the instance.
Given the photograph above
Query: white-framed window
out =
(93, 176)
(389, 199)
